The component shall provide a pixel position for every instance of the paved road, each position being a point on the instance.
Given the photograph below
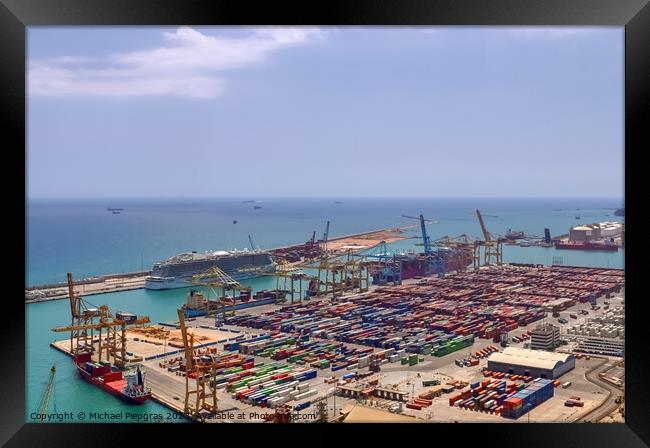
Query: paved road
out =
(608, 406)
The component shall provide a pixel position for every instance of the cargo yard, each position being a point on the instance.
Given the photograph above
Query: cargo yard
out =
(418, 350)
(430, 336)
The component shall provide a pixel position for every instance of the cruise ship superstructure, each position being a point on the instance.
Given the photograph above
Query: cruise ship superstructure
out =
(177, 271)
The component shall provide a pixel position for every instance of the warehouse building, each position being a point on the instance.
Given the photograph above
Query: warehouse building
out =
(536, 363)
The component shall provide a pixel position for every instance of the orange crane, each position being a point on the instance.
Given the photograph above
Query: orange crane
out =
(204, 391)
(83, 317)
(86, 318)
(114, 343)
(493, 252)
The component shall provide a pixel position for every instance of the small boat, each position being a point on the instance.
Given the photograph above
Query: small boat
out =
(257, 207)
(115, 212)
(577, 217)
(234, 221)
(109, 209)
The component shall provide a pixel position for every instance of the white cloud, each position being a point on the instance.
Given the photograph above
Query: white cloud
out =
(188, 65)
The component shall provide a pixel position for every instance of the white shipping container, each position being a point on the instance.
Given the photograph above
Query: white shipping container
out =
(309, 393)
(353, 366)
(303, 387)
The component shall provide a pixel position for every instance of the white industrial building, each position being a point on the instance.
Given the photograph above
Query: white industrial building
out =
(601, 346)
(597, 231)
(536, 363)
(544, 337)
(603, 335)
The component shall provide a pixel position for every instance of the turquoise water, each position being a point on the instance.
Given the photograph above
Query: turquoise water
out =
(83, 238)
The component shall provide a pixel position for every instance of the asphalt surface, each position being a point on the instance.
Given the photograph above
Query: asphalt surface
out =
(608, 405)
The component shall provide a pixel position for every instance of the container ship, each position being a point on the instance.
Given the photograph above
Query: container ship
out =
(587, 246)
(177, 271)
(412, 265)
(197, 305)
(514, 234)
(129, 387)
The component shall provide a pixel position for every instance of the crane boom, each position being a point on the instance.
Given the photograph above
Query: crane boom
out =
(416, 218)
(74, 300)
(327, 232)
(486, 234)
(189, 353)
(98, 326)
(42, 409)
(425, 237)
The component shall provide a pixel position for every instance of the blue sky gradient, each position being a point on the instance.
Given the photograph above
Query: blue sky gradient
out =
(421, 112)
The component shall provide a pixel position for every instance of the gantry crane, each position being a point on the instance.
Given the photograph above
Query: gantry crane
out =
(114, 344)
(435, 260)
(220, 283)
(203, 390)
(340, 275)
(493, 247)
(325, 237)
(83, 317)
(464, 246)
(290, 275)
(386, 265)
(250, 240)
(42, 409)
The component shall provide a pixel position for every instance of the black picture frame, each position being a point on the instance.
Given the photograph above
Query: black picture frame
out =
(634, 15)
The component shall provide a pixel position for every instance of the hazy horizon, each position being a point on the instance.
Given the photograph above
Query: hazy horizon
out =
(307, 112)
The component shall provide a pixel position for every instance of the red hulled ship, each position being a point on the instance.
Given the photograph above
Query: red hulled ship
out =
(129, 387)
(587, 246)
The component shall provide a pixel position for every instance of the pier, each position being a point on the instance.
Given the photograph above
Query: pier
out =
(135, 280)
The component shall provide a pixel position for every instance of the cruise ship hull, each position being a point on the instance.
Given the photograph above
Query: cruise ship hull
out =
(158, 283)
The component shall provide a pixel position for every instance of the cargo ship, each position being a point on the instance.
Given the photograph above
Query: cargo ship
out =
(197, 305)
(177, 271)
(587, 246)
(514, 234)
(129, 387)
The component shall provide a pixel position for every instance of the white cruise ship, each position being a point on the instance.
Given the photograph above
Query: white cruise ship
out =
(177, 271)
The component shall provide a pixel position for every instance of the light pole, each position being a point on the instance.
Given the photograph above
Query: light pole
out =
(528, 406)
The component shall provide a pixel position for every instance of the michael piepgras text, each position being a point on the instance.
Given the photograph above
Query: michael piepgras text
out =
(104, 416)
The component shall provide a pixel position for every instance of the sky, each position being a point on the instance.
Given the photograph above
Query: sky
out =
(120, 112)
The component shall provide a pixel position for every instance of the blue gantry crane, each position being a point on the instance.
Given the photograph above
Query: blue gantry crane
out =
(388, 268)
(435, 259)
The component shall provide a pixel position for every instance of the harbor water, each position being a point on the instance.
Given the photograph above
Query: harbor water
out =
(85, 238)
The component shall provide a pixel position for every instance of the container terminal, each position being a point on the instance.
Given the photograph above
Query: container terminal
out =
(309, 250)
(439, 336)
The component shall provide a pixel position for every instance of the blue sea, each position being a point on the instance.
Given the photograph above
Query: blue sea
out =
(84, 238)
